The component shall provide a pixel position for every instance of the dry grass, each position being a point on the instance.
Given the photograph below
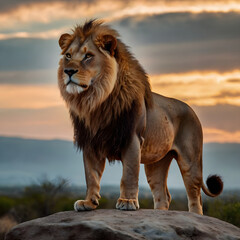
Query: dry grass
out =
(6, 223)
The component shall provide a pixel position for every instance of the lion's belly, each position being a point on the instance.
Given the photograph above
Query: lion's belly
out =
(154, 152)
(159, 136)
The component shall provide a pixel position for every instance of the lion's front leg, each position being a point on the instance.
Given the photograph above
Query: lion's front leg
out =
(93, 173)
(129, 183)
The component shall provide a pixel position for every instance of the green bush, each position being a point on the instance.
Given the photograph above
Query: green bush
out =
(227, 210)
(49, 197)
(40, 200)
(64, 203)
(146, 203)
(179, 204)
(6, 203)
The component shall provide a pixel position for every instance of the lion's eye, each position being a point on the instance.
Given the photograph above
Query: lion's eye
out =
(88, 56)
(68, 55)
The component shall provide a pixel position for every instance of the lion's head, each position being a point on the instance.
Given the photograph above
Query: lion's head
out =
(88, 67)
(98, 77)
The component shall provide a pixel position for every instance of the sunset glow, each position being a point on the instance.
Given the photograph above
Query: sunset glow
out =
(54, 33)
(190, 49)
(196, 88)
(200, 88)
(217, 135)
(28, 14)
(29, 97)
(162, 7)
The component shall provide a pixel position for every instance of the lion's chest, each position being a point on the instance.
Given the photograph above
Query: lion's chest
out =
(108, 141)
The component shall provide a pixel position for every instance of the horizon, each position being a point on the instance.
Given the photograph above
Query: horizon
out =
(71, 141)
(34, 159)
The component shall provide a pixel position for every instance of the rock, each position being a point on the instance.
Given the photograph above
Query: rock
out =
(115, 224)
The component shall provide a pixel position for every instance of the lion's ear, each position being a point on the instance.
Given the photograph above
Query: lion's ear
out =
(108, 43)
(63, 39)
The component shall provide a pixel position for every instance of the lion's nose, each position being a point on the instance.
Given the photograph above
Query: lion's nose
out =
(70, 72)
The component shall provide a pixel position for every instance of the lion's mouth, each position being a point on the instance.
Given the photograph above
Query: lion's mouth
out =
(80, 85)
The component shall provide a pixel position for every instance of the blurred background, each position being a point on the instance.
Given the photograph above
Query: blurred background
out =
(191, 51)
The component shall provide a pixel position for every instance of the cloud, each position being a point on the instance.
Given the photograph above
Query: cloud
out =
(182, 27)
(234, 80)
(29, 54)
(177, 42)
(38, 88)
(29, 96)
(22, 14)
(199, 88)
(181, 42)
(219, 55)
(193, 56)
(218, 135)
(38, 111)
(44, 123)
(27, 11)
(49, 34)
(54, 122)
(223, 117)
(31, 77)
(13, 4)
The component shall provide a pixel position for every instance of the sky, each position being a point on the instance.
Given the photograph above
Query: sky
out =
(190, 50)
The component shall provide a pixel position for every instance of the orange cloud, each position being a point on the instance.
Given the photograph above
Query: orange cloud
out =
(50, 123)
(43, 123)
(160, 7)
(200, 88)
(46, 12)
(29, 96)
(38, 110)
(54, 33)
(196, 88)
(54, 122)
(218, 135)
(51, 11)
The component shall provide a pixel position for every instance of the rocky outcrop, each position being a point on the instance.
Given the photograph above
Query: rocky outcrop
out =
(115, 224)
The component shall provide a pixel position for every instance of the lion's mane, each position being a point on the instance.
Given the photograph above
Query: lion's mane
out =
(105, 128)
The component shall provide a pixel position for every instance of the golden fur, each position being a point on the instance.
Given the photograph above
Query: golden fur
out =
(126, 90)
(116, 116)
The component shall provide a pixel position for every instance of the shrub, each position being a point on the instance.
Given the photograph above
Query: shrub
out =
(6, 203)
(227, 210)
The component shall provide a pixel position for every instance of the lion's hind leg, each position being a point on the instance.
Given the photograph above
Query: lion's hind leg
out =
(191, 170)
(157, 179)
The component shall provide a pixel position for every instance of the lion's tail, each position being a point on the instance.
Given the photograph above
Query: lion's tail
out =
(214, 186)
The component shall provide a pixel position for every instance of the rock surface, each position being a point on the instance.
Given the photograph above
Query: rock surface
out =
(115, 224)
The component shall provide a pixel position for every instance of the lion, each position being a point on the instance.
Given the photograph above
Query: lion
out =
(116, 116)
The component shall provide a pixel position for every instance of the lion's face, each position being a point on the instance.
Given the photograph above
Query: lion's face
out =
(87, 64)
(81, 66)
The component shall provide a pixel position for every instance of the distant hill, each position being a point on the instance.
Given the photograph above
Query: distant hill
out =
(24, 161)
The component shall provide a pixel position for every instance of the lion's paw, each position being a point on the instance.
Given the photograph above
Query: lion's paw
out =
(127, 204)
(85, 205)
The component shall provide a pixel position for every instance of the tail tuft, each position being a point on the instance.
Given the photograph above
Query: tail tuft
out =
(215, 184)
